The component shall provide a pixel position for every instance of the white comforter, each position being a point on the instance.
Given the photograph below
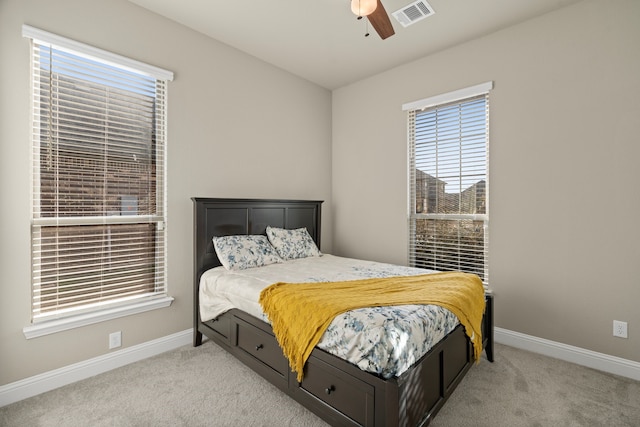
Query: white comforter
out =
(382, 340)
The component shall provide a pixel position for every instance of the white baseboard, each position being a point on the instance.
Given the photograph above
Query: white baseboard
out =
(47, 381)
(577, 355)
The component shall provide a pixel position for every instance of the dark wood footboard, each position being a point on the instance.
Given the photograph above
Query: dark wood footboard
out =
(341, 393)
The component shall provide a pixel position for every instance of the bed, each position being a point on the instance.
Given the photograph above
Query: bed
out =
(336, 390)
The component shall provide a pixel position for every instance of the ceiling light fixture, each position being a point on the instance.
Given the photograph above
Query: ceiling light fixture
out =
(362, 8)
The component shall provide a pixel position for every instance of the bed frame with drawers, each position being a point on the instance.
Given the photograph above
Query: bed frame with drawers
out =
(335, 390)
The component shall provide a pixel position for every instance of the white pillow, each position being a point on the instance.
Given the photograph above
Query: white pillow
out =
(292, 244)
(242, 252)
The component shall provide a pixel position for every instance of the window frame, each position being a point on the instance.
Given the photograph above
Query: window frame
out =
(454, 98)
(98, 312)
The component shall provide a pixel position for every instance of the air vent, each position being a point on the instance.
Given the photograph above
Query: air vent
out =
(413, 13)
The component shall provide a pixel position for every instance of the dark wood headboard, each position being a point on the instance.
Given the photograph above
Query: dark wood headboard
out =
(224, 217)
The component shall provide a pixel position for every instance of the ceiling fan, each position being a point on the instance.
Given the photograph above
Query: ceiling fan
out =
(377, 15)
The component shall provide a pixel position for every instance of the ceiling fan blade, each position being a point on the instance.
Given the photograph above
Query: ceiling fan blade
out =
(381, 22)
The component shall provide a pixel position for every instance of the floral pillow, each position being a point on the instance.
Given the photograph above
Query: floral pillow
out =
(292, 244)
(242, 252)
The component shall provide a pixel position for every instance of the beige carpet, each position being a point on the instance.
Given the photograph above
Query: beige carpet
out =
(205, 386)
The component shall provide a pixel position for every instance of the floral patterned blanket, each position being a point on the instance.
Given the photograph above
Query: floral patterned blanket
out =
(300, 312)
(383, 340)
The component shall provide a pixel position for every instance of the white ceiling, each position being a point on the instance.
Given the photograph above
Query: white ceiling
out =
(321, 40)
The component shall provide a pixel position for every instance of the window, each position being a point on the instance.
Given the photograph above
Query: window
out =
(99, 196)
(448, 181)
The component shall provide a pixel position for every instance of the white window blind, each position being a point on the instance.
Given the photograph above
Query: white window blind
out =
(99, 191)
(448, 181)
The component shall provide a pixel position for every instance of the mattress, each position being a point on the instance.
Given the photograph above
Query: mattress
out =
(382, 340)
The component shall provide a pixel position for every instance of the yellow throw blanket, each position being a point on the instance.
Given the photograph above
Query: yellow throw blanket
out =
(300, 312)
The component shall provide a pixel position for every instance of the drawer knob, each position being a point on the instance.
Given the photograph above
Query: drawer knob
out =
(259, 346)
(330, 389)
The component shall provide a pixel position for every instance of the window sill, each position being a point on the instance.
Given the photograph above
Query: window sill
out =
(58, 325)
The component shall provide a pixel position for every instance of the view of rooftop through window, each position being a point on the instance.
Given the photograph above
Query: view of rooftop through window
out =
(451, 160)
(449, 223)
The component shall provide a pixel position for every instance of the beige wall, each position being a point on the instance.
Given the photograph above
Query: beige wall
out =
(284, 153)
(564, 196)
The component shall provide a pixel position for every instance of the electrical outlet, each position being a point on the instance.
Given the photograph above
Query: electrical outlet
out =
(620, 329)
(115, 340)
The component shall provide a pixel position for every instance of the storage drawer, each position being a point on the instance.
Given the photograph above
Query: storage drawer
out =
(262, 346)
(347, 394)
(222, 325)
